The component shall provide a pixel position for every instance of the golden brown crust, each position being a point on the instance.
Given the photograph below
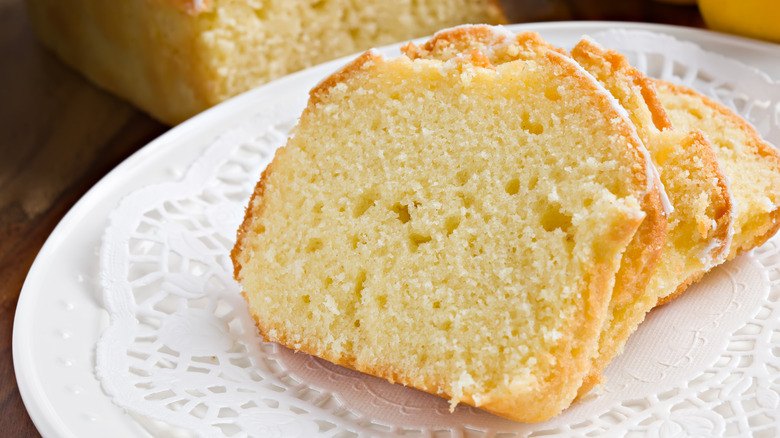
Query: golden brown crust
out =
(721, 211)
(362, 62)
(499, 47)
(639, 85)
(455, 40)
(642, 256)
(644, 249)
(637, 266)
(646, 87)
(681, 288)
(721, 204)
(720, 207)
(756, 144)
(251, 213)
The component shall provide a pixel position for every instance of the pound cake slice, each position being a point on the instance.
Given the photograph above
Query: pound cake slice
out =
(175, 58)
(451, 226)
(501, 46)
(751, 164)
(700, 222)
(631, 299)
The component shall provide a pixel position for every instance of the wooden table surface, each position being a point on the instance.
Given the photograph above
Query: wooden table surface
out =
(59, 135)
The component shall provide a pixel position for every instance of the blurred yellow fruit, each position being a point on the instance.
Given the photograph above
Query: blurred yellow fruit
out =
(751, 18)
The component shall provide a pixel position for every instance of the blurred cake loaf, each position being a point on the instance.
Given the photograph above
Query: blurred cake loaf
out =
(175, 58)
(455, 226)
(751, 165)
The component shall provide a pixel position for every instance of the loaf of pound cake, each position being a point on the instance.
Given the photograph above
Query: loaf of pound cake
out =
(455, 225)
(175, 58)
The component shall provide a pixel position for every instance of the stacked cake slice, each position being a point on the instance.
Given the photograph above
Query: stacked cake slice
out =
(483, 218)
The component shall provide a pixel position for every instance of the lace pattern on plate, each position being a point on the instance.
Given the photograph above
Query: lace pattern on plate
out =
(181, 353)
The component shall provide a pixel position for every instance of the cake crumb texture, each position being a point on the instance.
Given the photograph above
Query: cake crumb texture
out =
(488, 218)
(751, 165)
(454, 226)
(699, 224)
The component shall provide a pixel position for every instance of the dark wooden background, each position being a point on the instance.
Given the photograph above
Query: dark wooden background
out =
(59, 135)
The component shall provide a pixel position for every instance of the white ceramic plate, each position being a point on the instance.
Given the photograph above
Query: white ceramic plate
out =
(60, 315)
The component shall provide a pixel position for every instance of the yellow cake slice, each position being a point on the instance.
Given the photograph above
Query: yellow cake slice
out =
(700, 223)
(454, 226)
(751, 164)
(687, 172)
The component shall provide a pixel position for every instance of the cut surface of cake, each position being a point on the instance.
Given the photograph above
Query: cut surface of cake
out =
(454, 226)
(630, 299)
(175, 58)
(500, 46)
(751, 164)
(700, 222)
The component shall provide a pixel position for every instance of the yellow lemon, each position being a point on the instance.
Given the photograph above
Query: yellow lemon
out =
(751, 18)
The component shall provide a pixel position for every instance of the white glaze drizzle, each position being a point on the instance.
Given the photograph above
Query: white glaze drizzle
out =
(653, 177)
